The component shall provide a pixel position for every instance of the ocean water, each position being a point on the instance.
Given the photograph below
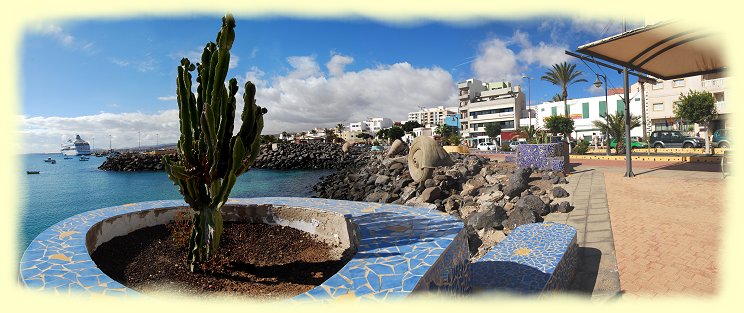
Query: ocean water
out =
(72, 186)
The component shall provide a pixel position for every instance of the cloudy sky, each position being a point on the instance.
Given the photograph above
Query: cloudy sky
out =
(115, 79)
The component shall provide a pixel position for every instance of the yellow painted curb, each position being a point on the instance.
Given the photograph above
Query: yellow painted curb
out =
(690, 159)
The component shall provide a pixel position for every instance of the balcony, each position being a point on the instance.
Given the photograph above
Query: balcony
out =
(721, 107)
(501, 115)
(464, 96)
(462, 85)
(714, 84)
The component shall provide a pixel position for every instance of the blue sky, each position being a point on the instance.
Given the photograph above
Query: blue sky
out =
(117, 76)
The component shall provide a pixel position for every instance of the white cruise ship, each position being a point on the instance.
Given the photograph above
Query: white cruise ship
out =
(77, 147)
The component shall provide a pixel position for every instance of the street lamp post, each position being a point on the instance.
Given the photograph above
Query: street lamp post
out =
(598, 84)
(529, 97)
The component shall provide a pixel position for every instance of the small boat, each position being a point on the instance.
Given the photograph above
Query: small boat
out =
(84, 158)
(32, 172)
(49, 160)
(68, 157)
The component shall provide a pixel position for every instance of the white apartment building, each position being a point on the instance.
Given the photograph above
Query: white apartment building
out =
(585, 111)
(373, 124)
(432, 116)
(482, 103)
(378, 123)
(662, 96)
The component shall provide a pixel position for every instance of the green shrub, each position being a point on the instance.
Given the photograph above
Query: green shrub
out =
(582, 147)
(505, 147)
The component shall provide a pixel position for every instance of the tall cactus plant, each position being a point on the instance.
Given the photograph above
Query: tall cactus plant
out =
(210, 158)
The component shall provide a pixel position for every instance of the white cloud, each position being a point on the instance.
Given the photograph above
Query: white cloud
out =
(495, 61)
(120, 62)
(543, 54)
(594, 90)
(298, 100)
(45, 134)
(254, 75)
(305, 98)
(168, 98)
(499, 60)
(62, 37)
(337, 63)
(303, 67)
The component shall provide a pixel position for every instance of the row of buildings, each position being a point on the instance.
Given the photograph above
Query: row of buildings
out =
(481, 103)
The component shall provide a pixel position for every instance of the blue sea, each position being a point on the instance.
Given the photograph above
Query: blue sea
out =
(72, 186)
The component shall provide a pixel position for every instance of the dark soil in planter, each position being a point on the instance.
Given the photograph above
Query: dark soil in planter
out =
(255, 260)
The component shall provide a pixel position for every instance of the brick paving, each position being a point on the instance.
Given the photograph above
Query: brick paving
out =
(669, 245)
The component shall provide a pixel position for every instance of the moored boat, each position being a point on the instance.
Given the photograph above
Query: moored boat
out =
(32, 172)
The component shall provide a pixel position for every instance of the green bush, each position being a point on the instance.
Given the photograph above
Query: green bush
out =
(582, 147)
(505, 147)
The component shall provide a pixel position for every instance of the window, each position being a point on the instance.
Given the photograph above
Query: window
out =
(659, 85)
(620, 106)
(602, 108)
(553, 111)
(585, 110)
(719, 97)
(658, 107)
(678, 83)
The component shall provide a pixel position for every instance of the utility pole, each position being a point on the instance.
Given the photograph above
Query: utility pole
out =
(628, 163)
(110, 142)
(139, 140)
(529, 97)
(157, 140)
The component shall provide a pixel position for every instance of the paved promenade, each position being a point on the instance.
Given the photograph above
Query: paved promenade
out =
(666, 225)
(597, 276)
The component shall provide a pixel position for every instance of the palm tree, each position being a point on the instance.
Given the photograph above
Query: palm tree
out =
(563, 75)
(340, 128)
(614, 125)
(557, 97)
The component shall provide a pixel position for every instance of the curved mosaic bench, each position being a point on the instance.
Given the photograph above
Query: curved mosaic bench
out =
(534, 258)
(548, 156)
(399, 249)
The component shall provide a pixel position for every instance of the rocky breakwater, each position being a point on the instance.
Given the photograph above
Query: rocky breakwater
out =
(491, 198)
(132, 162)
(307, 156)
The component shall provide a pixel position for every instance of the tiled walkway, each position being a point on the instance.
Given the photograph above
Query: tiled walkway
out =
(669, 245)
(597, 275)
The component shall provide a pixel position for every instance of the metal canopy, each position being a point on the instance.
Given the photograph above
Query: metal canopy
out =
(665, 50)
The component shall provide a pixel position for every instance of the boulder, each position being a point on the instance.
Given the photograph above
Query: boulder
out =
(518, 182)
(559, 192)
(429, 195)
(518, 216)
(488, 218)
(564, 207)
(382, 180)
(534, 204)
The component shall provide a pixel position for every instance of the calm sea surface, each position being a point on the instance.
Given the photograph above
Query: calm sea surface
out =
(72, 186)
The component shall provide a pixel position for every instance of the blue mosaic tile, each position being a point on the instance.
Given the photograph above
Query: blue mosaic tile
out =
(534, 258)
(550, 156)
(401, 246)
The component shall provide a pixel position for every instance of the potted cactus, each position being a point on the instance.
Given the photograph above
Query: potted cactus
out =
(209, 156)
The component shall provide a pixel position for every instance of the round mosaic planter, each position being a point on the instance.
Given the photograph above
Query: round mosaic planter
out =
(396, 249)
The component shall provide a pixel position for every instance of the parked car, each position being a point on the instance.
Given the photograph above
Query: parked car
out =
(486, 146)
(720, 138)
(634, 144)
(514, 144)
(674, 139)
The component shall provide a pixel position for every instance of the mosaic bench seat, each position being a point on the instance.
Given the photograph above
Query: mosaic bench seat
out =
(548, 156)
(399, 250)
(534, 258)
